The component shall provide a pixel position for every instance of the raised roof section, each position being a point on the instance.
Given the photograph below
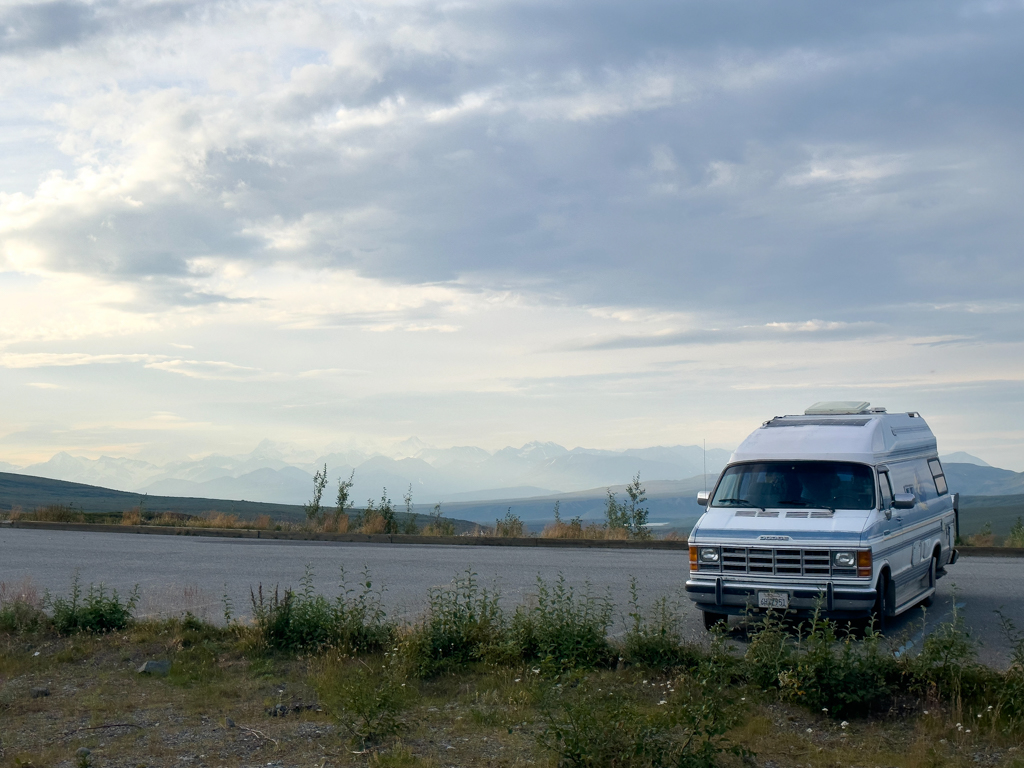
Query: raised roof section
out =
(867, 437)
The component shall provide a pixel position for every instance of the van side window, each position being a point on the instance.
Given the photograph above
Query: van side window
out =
(938, 476)
(885, 491)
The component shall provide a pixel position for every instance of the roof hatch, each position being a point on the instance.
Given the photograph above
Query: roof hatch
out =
(837, 408)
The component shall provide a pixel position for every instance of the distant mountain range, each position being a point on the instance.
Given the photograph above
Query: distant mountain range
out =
(473, 483)
(276, 473)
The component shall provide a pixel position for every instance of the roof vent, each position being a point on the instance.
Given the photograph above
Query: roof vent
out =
(837, 408)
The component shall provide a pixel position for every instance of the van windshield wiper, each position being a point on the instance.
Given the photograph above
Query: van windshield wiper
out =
(737, 503)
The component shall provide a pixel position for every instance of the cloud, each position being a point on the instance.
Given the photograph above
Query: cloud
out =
(811, 330)
(450, 197)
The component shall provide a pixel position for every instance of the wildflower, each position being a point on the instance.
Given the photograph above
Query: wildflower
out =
(843, 724)
(810, 730)
(989, 709)
(942, 741)
(968, 730)
(825, 710)
(518, 679)
(536, 670)
(743, 698)
(662, 702)
(645, 682)
(926, 711)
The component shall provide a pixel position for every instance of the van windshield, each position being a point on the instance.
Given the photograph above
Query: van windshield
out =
(796, 484)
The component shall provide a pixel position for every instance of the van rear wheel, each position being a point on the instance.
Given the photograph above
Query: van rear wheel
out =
(711, 620)
(933, 570)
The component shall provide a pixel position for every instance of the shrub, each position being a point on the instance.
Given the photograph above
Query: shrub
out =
(354, 622)
(510, 527)
(380, 518)
(1009, 694)
(98, 611)
(59, 513)
(463, 623)
(20, 608)
(564, 630)
(844, 677)
(653, 638)
(131, 517)
(365, 697)
(439, 525)
(770, 652)
(948, 662)
(1016, 536)
(983, 538)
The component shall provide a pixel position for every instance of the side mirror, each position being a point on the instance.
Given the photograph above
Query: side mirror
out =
(903, 501)
(703, 497)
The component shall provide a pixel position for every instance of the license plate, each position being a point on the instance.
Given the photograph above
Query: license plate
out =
(773, 600)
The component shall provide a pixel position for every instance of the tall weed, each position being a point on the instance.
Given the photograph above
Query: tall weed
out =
(355, 621)
(653, 637)
(463, 623)
(96, 611)
(365, 697)
(839, 674)
(21, 609)
(566, 629)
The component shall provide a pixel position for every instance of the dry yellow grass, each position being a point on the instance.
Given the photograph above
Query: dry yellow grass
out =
(131, 517)
(576, 530)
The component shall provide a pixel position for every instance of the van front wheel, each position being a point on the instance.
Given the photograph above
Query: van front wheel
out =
(880, 612)
(713, 619)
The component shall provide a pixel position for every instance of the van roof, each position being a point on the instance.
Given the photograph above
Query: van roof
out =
(868, 436)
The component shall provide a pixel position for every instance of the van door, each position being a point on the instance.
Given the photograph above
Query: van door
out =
(903, 478)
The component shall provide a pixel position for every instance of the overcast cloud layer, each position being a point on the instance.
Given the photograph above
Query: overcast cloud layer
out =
(603, 224)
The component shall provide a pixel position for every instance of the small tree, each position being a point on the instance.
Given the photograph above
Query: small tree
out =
(387, 511)
(631, 515)
(410, 515)
(440, 525)
(558, 516)
(313, 509)
(344, 496)
(636, 514)
(616, 514)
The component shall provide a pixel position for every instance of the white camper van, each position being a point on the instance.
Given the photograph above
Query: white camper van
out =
(844, 509)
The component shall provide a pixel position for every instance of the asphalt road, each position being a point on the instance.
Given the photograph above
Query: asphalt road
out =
(176, 573)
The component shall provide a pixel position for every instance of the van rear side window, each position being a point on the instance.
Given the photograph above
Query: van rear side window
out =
(938, 476)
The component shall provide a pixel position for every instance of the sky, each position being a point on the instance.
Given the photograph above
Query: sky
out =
(604, 224)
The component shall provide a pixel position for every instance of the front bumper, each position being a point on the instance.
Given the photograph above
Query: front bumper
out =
(739, 596)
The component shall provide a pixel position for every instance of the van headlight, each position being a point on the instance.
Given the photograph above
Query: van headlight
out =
(844, 559)
(709, 555)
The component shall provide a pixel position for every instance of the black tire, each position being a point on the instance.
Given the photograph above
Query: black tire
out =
(879, 612)
(933, 570)
(713, 619)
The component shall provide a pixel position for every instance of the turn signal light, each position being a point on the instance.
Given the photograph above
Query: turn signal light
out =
(863, 561)
(693, 558)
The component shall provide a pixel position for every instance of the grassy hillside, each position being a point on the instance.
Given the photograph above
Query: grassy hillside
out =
(1000, 511)
(28, 493)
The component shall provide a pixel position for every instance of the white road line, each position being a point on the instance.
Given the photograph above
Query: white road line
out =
(919, 637)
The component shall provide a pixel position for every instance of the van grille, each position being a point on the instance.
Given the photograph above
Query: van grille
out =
(776, 562)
